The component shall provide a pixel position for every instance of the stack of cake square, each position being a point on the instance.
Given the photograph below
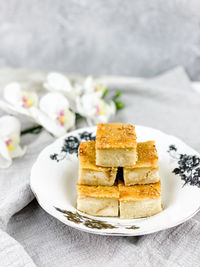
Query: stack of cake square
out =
(117, 175)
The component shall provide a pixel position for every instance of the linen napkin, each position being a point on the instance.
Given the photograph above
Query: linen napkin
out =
(33, 238)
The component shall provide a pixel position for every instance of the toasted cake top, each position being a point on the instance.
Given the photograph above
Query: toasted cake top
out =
(98, 191)
(147, 155)
(87, 157)
(115, 135)
(139, 192)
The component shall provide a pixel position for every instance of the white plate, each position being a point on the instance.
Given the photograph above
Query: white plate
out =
(54, 177)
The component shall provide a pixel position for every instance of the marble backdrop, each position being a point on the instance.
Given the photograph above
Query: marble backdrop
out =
(120, 37)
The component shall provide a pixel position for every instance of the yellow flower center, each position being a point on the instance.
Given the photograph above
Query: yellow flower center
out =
(10, 147)
(12, 143)
(29, 102)
(102, 111)
(28, 99)
(62, 119)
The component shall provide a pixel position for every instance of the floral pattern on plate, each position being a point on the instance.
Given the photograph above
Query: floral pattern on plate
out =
(77, 218)
(71, 145)
(188, 167)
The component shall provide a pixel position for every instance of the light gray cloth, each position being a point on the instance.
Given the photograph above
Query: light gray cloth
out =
(31, 236)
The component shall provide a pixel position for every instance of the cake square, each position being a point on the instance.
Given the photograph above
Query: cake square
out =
(145, 171)
(116, 145)
(137, 201)
(98, 200)
(89, 172)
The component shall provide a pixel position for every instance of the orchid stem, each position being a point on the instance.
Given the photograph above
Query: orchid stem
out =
(32, 130)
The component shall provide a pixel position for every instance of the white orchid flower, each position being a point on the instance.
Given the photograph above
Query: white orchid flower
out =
(25, 103)
(17, 97)
(57, 82)
(89, 86)
(56, 106)
(94, 108)
(9, 140)
(18, 100)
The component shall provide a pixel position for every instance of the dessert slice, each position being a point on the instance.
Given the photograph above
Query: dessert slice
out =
(89, 172)
(145, 171)
(98, 200)
(116, 145)
(138, 201)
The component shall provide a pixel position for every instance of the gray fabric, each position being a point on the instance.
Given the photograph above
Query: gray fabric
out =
(16, 194)
(168, 103)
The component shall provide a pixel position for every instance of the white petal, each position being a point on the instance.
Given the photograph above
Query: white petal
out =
(79, 107)
(78, 88)
(12, 93)
(112, 108)
(5, 159)
(58, 82)
(3, 150)
(88, 84)
(52, 103)
(86, 105)
(98, 94)
(9, 125)
(48, 123)
(14, 110)
(8, 108)
(70, 122)
(19, 152)
(88, 101)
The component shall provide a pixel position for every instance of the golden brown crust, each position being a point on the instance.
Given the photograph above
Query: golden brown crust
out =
(115, 135)
(87, 158)
(147, 155)
(98, 191)
(139, 192)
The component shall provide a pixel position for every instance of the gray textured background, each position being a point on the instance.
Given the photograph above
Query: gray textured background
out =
(139, 37)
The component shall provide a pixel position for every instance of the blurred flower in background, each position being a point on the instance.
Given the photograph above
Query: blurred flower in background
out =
(94, 108)
(89, 86)
(19, 98)
(56, 107)
(66, 101)
(9, 140)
